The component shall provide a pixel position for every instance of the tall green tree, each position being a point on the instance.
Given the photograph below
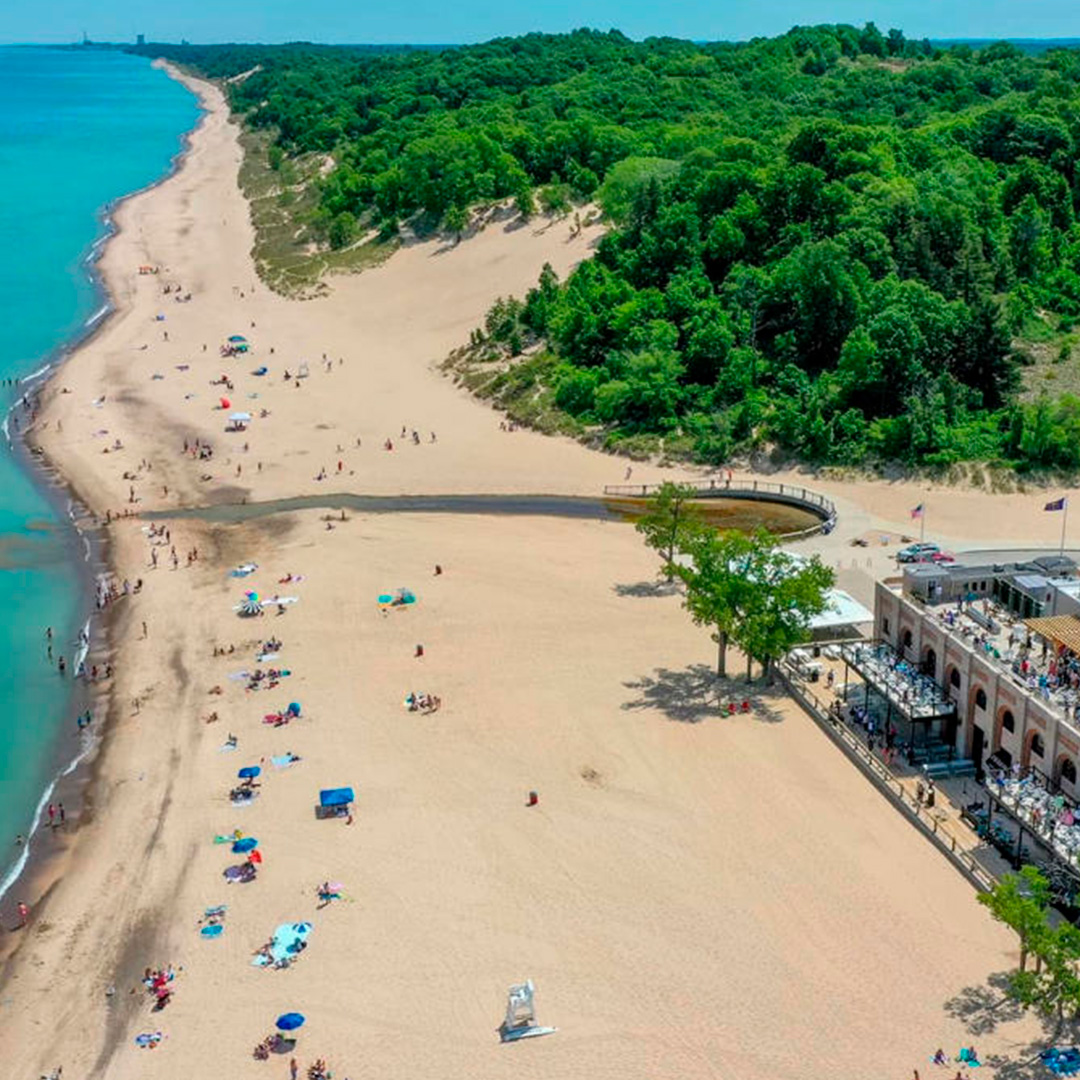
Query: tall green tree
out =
(668, 522)
(719, 591)
(787, 593)
(1021, 902)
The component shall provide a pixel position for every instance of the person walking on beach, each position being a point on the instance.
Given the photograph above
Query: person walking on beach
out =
(52, 815)
(24, 913)
(61, 814)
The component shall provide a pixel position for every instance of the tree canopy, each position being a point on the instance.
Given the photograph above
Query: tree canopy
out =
(838, 241)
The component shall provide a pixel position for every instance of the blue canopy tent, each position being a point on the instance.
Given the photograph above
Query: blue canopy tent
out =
(334, 802)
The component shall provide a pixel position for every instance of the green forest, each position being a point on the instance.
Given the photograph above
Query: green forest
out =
(841, 243)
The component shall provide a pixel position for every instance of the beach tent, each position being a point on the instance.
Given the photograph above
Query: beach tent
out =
(249, 772)
(240, 417)
(290, 1021)
(262, 370)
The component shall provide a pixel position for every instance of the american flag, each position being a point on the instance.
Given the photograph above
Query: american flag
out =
(917, 512)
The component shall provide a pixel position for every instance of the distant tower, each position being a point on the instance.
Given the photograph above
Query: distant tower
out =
(140, 39)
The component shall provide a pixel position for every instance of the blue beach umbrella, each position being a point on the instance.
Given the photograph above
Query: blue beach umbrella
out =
(249, 772)
(237, 337)
(290, 1021)
(248, 843)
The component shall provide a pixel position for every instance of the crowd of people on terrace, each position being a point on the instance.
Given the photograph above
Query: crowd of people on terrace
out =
(908, 687)
(1051, 672)
(1050, 816)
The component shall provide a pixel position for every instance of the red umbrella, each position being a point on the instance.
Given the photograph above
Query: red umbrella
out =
(254, 857)
(225, 403)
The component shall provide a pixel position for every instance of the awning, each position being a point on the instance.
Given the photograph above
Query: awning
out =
(842, 610)
(1059, 629)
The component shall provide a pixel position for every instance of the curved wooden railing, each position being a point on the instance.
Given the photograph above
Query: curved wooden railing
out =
(760, 490)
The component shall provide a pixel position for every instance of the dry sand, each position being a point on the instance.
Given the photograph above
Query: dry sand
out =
(695, 896)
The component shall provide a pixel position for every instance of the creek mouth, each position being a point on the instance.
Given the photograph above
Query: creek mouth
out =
(723, 513)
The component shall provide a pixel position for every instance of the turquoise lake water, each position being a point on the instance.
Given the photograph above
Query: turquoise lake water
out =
(77, 131)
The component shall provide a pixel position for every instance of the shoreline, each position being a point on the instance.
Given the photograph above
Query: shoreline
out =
(72, 777)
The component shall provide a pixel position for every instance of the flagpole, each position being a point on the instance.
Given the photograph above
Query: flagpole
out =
(922, 523)
(1064, 519)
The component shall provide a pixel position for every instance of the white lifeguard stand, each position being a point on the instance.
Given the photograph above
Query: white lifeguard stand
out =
(520, 1022)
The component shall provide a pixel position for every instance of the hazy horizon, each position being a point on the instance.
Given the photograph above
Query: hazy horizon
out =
(338, 22)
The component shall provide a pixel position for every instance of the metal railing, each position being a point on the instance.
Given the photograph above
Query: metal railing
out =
(760, 490)
(890, 786)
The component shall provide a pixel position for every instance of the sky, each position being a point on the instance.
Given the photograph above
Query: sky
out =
(461, 21)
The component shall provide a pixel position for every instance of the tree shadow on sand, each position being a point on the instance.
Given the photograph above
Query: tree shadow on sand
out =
(983, 1009)
(695, 694)
(646, 589)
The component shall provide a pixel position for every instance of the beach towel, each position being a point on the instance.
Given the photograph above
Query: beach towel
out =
(283, 761)
(244, 570)
(148, 1040)
(285, 946)
(214, 930)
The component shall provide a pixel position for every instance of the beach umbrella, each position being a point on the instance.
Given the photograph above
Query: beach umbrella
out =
(242, 847)
(225, 403)
(290, 1021)
(249, 772)
(240, 417)
(386, 598)
(237, 337)
(251, 606)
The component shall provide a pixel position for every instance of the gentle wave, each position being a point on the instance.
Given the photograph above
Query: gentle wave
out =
(19, 866)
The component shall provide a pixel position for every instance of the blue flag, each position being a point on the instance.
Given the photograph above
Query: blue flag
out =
(1057, 504)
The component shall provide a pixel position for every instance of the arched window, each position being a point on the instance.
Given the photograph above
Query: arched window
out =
(906, 640)
(1037, 747)
(954, 678)
(930, 664)
(1068, 771)
(980, 698)
(1008, 723)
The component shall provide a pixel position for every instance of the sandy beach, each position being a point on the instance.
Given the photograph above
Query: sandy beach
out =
(694, 895)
